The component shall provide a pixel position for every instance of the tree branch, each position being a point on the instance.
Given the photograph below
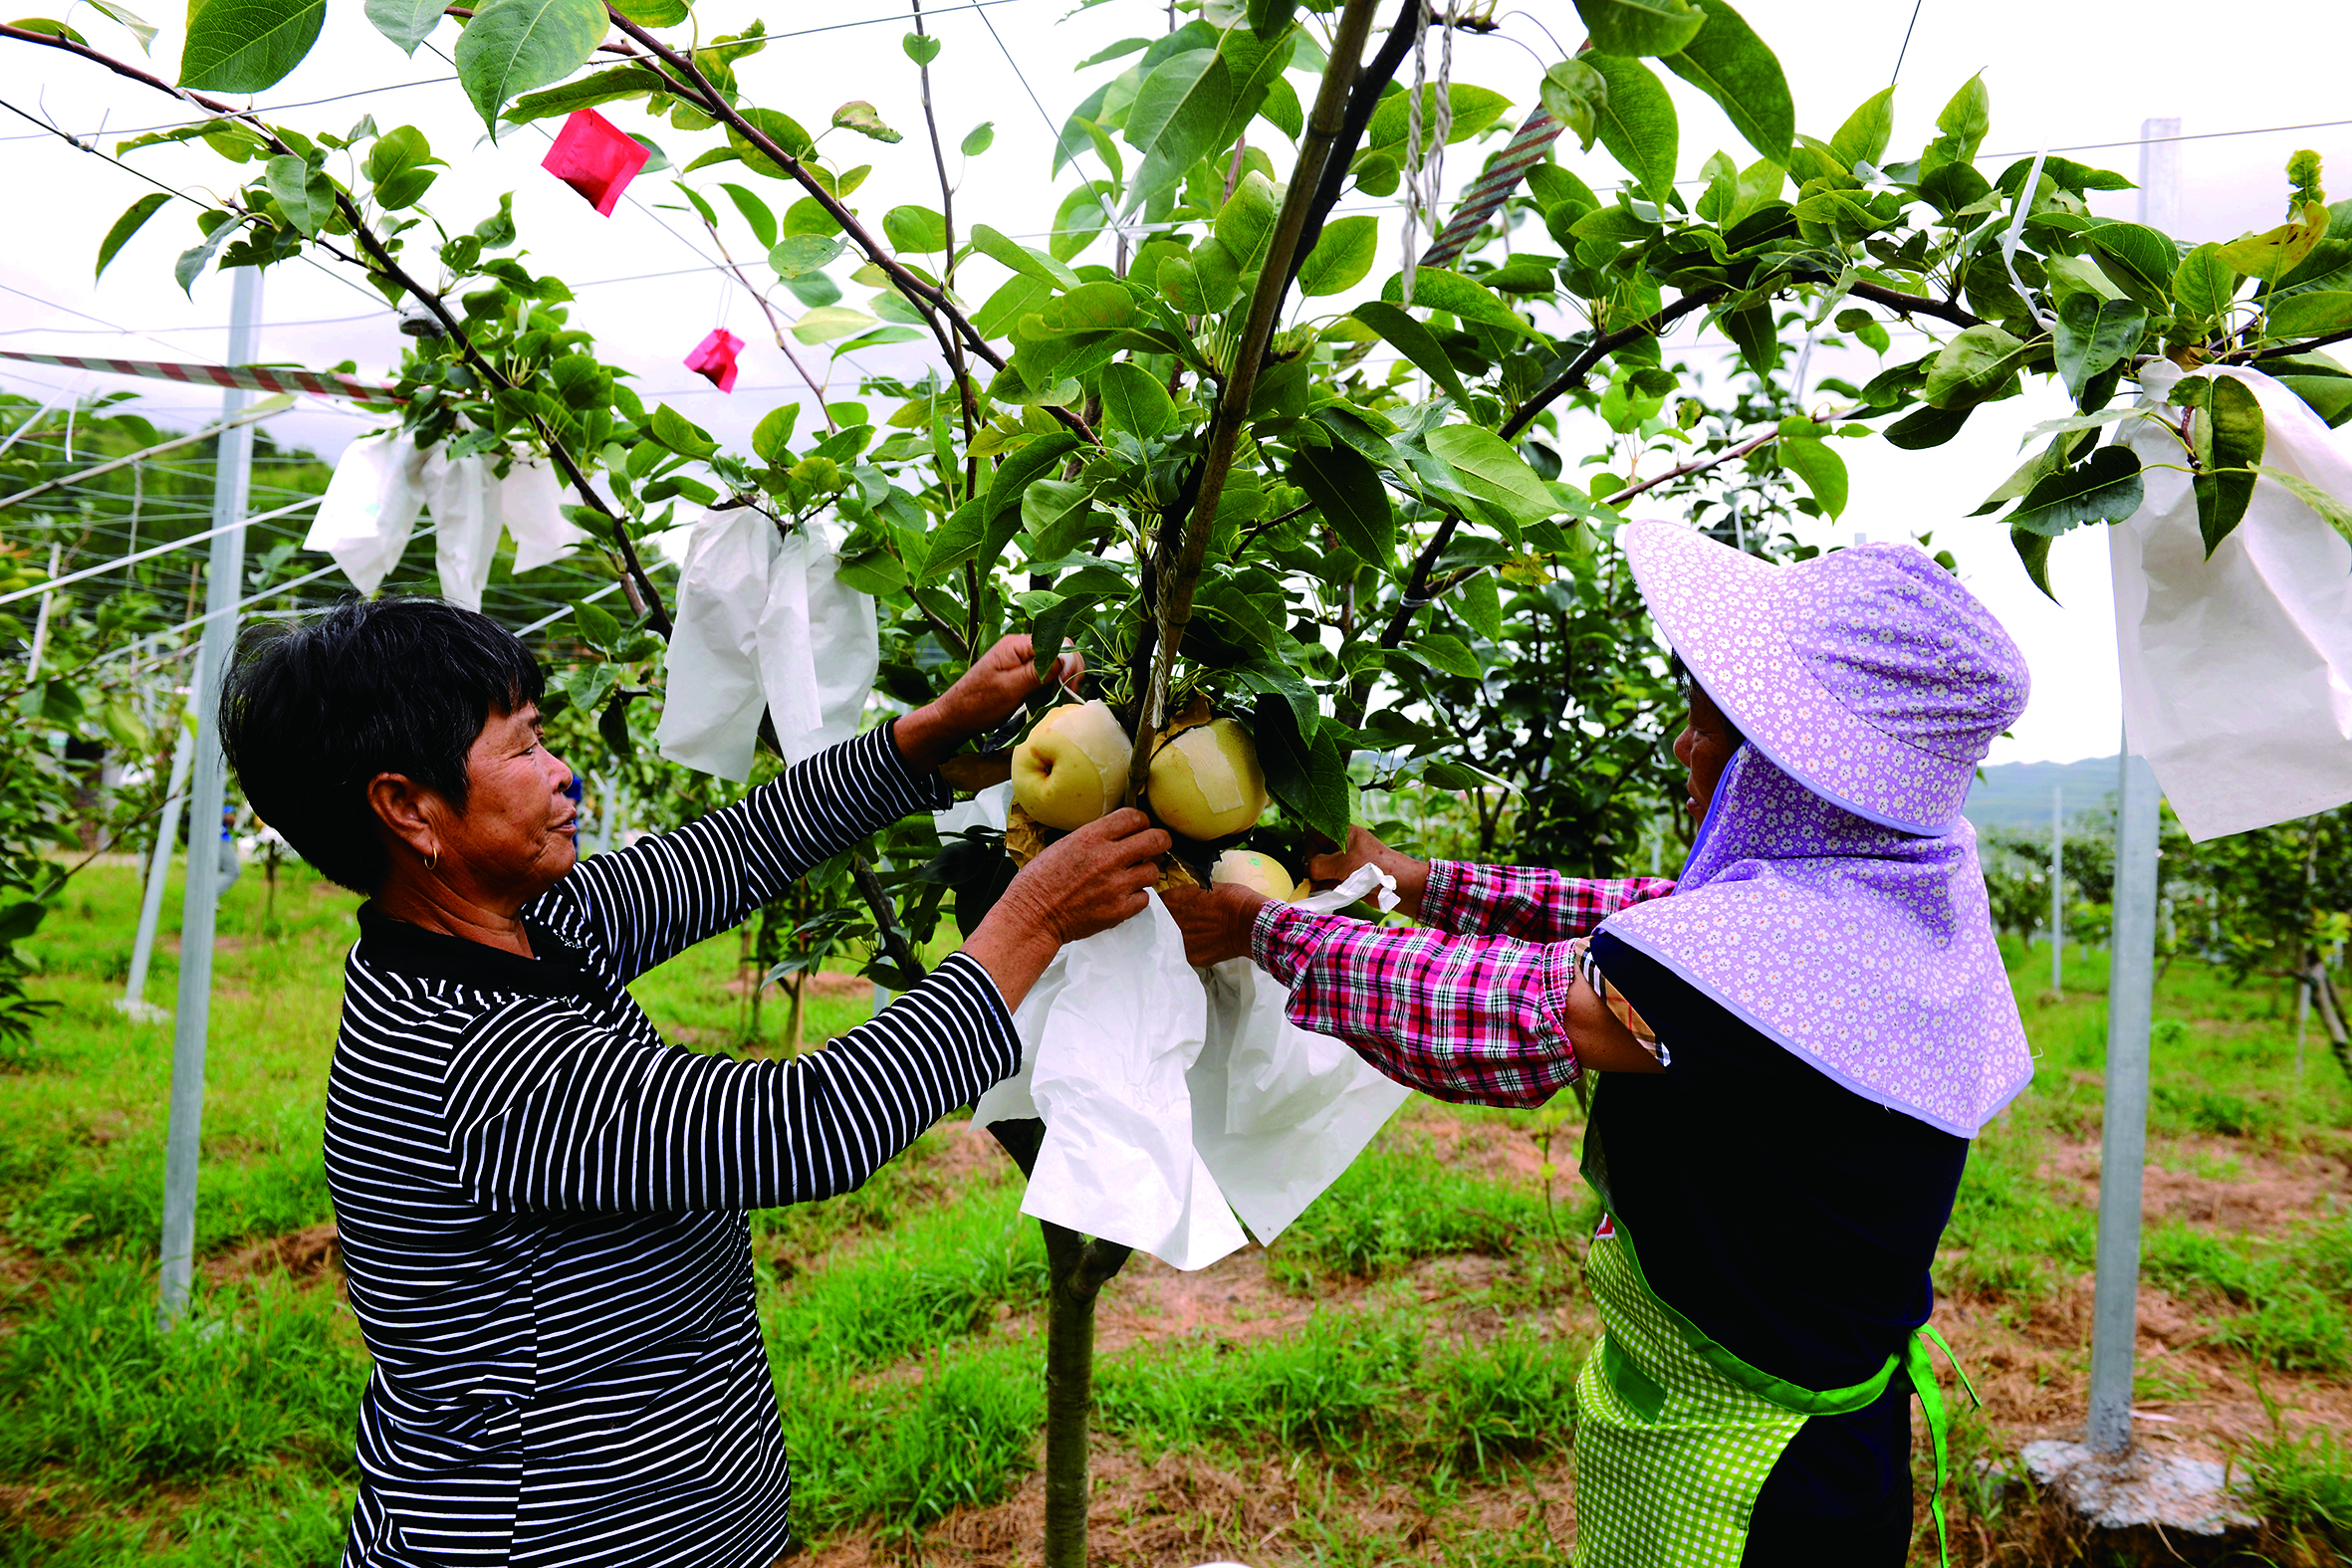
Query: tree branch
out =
(1600, 349)
(1363, 95)
(1914, 303)
(1174, 610)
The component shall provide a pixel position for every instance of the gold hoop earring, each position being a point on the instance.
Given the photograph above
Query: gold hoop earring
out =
(432, 862)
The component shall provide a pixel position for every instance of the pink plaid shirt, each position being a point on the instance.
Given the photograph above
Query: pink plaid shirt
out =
(1471, 1005)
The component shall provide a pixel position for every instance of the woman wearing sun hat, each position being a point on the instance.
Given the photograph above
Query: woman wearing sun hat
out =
(1831, 1022)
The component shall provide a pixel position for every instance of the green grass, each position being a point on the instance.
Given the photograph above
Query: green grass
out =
(902, 1320)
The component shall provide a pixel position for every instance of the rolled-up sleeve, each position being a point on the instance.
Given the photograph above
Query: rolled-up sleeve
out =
(1527, 901)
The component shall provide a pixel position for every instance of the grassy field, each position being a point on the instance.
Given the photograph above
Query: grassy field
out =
(1391, 1382)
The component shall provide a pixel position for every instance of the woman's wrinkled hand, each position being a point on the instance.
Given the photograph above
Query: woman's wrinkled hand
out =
(1215, 921)
(1363, 849)
(981, 699)
(1086, 881)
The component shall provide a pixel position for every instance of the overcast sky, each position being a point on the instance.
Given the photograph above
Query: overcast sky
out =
(2064, 75)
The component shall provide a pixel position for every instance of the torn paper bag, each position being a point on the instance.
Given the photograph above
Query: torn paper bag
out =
(1106, 1035)
(763, 623)
(2238, 670)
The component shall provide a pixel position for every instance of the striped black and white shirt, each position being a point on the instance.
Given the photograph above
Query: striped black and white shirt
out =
(542, 1205)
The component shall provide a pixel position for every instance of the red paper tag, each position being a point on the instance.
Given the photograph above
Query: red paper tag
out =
(596, 157)
(714, 358)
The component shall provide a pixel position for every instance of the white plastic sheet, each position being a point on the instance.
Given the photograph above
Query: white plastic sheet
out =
(1176, 1098)
(382, 481)
(763, 623)
(369, 509)
(2237, 671)
(1108, 1033)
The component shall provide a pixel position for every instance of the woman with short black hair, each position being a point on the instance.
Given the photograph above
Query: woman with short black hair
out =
(543, 1206)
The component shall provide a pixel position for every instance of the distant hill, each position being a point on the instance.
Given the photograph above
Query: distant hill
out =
(2017, 794)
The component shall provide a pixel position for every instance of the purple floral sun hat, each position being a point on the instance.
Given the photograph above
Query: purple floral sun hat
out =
(1870, 675)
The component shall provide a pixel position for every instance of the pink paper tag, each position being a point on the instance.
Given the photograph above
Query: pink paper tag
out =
(596, 157)
(714, 358)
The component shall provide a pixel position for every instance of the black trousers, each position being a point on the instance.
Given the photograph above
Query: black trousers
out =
(1840, 1495)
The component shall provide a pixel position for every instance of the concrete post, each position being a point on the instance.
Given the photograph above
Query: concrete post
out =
(150, 909)
(208, 783)
(2058, 891)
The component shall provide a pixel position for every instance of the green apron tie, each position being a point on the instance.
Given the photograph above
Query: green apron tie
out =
(1922, 1372)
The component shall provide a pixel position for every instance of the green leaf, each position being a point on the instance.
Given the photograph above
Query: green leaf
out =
(2140, 261)
(1821, 469)
(1926, 427)
(1449, 654)
(772, 437)
(406, 22)
(2092, 334)
(1479, 604)
(956, 539)
(138, 213)
(681, 434)
(1863, 138)
(1049, 627)
(1021, 258)
(828, 321)
(754, 212)
(2049, 460)
(1020, 296)
(513, 46)
(2335, 511)
(979, 139)
(305, 194)
(1731, 64)
(1014, 476)
(1054, 514)
(49, 26)
(921, 48)
(191, 261)
(1437, 288)
(1475, 109)
(1090, 307)
(138, 27)
(2313, 314)
(1177, 114)
(1134, 401)
(2034, 550)
(653, 13)
(598, 86)
(804, 254)
(807, 218)
(1415, 341)
(1641, 27)
(248, 46)
(2107, 489)
(1963, 122)
(1245, 224)
(789, 138)
(1343, 256)
(1269, 18)
(1972, 367)
(1638, 125)
(1345, 488)
(859, 116)
(2230, 438)
(1574, 94)
(2329, 396)
(914, 229)
(2204, 284)
(1492, 470)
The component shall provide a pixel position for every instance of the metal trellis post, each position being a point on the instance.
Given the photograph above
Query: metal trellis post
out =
(224, 575)
(150, 909)
(2058, 891)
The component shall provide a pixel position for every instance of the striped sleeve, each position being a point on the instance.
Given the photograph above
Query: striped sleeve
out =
(1527, 901)
(650, 902)
(549, 1111)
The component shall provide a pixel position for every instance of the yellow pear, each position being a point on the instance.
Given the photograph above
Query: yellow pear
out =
(1073, 768)
(1206, 783)
(1262, 872)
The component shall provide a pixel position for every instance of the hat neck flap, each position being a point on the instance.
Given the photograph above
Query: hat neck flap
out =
(1867, 952)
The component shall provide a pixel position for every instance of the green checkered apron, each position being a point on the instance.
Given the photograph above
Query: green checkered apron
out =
(1675, 1435)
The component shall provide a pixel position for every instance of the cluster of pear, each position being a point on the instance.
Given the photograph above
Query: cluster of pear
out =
(1256, 870)
(1205, 783)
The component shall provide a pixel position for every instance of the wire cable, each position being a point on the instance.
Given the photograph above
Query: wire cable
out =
(1897, 74)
